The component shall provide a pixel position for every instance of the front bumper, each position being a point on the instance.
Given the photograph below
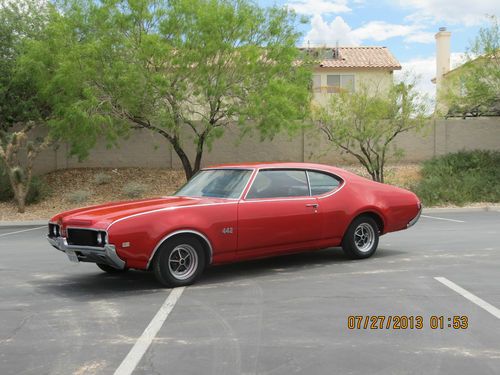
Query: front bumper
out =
(103, 255)
(415, 219)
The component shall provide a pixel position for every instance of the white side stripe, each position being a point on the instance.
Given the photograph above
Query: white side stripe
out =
(168, 209)
(471, 297)
(142, 344)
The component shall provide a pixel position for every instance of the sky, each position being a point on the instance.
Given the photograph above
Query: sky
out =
(406, 27)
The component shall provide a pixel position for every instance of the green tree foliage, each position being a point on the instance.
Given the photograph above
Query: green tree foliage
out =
(364, 124)
(22, 108)
(185, 69)
(475, 88)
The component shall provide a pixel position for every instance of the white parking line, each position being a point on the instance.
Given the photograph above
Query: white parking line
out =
(142, 344)
(21, 231)
(442, 218)
(471, 297)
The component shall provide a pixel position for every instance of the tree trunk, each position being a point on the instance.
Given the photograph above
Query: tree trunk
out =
(186, 164)
(199, 153)
(21, 204)
(20, 193)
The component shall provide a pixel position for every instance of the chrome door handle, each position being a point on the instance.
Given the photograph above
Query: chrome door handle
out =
(314, 205)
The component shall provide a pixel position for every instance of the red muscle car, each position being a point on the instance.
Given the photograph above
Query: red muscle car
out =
(236, 212)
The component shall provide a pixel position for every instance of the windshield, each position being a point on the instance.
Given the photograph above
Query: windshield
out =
(216, 183)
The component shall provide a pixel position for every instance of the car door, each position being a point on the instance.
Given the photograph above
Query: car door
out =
(324, 186)
(278, 214)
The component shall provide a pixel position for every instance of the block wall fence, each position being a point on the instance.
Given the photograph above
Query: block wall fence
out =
(149, 150)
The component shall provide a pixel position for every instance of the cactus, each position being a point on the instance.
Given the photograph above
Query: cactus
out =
(20, 169)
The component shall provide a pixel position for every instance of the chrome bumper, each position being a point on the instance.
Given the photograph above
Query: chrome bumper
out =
(104, 255)
(415, 219)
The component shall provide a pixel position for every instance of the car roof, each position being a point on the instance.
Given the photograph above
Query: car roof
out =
(287, 165)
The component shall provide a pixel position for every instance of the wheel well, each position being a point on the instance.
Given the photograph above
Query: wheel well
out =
(376, 217)
(207, 248)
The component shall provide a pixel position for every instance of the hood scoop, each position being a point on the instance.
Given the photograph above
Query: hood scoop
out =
(78, 222)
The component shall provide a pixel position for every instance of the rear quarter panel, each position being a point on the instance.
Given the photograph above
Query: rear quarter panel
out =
(395, 206)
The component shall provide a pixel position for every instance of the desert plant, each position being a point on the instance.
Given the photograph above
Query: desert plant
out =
(22, 105)
(102, 178)
(133, 190)
(364, 124)
(37, 191)
(78, 196)
(185, 70)
(459, 178)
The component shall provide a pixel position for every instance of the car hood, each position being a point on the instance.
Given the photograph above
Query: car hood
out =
(103, 215)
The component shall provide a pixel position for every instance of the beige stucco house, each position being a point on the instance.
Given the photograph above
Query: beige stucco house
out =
(351, 68)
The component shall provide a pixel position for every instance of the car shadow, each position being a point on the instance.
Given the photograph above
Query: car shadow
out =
(283, 264)
(90, 285)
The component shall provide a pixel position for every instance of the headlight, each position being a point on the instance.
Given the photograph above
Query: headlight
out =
(100, 238)
(54, 230)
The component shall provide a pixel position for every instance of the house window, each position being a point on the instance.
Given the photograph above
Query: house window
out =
(316, 83)
(347, 82)
(339, 83)
(332, 83)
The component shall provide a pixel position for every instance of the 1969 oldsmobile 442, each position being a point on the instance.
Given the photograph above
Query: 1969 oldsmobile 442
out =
(236, 212)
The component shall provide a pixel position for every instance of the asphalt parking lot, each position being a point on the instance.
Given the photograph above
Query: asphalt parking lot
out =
(277, 316)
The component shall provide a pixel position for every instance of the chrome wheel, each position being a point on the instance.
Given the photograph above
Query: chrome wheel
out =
(183, 262)
(364, 237)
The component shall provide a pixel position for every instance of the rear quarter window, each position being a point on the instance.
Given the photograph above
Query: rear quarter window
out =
(322, 183)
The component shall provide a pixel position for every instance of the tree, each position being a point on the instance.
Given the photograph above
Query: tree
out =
(475, 88)
(21, 106)
(184, 69)
(365, 124)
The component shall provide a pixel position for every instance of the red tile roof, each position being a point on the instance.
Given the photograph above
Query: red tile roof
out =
(361, 57)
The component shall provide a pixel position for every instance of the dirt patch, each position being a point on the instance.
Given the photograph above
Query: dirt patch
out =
(93, 187)
(64, 184)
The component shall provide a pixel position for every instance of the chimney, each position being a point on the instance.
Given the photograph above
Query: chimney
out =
(442, 54)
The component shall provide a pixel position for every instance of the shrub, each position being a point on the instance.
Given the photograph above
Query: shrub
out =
(78, 196)
(6, 193)
(37, 192)
(133, 190)
(102, 178)
(460, 178)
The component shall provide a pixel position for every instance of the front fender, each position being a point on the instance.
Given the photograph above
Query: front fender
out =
(137, 237)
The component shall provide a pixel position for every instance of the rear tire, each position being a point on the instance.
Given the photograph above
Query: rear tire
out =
(108, 269)
(361, 239)
(179, 261)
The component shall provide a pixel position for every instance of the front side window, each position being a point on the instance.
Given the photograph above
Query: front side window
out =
(279, 184)
(216, 183)
(322, 183)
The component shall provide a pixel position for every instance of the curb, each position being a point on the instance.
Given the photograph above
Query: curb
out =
(36, 223)
(461, 209)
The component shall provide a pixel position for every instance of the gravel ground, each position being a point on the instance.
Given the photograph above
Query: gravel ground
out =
(63, 184)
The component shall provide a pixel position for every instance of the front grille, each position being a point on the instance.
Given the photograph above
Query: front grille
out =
(86, 237)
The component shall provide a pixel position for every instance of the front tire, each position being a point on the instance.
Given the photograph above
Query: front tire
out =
(361, 239)
(179, 261)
